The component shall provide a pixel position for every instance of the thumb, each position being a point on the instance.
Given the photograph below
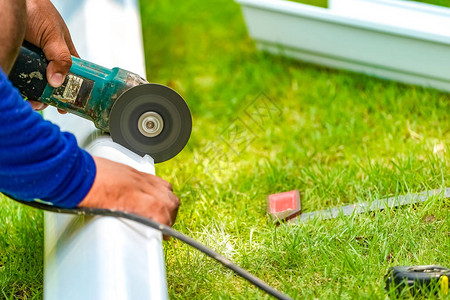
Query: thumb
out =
(60, 61)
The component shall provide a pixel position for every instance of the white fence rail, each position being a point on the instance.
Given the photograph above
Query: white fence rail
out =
(102, 257)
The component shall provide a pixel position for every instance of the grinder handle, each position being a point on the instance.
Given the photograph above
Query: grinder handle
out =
(29, 73)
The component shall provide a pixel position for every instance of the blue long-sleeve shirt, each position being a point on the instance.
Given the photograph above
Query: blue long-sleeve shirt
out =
(37, 160)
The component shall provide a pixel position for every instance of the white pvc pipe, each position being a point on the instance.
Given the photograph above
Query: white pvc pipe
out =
(103, 257)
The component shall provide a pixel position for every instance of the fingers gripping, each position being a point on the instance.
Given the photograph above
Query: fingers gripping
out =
(59, 59)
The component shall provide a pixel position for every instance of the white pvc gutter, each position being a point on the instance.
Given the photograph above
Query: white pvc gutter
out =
(392, 39)
(103, 257)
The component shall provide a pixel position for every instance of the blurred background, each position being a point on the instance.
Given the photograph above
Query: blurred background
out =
(265, 124)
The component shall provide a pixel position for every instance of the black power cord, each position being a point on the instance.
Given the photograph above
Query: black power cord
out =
(169, 231)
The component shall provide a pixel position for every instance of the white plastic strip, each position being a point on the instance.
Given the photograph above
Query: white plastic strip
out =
(374, 45)
(103, 257)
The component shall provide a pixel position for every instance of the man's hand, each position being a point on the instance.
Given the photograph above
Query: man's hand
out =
(117, 186)
(47, 30)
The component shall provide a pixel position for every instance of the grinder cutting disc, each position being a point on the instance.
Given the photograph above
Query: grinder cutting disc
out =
(151, 119)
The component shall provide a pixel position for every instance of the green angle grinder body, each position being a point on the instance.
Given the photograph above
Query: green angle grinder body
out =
(144, 117)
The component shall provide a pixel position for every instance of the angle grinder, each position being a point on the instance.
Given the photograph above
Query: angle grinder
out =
(144, 117)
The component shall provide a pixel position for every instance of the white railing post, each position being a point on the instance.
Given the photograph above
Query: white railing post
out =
(103, 257)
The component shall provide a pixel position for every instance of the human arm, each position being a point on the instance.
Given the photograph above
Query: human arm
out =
(38, 161)
(31, 149)
(55, 169)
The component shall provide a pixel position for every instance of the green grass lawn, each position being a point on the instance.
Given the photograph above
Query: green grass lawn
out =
(338, 137)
